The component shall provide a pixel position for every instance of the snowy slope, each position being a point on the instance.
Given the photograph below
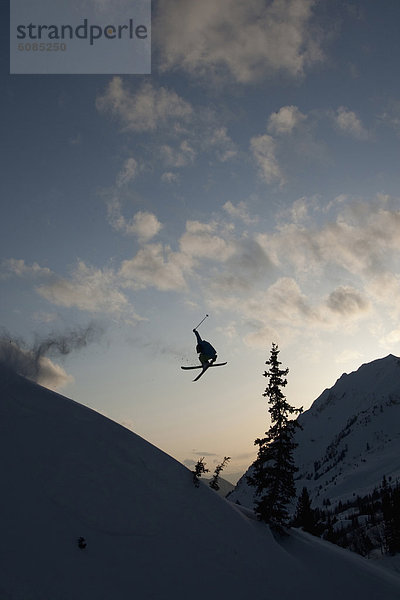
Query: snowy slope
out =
(350, 436)
(225, 487)
(68, 472)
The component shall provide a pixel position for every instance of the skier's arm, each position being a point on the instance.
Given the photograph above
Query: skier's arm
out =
(199, 340)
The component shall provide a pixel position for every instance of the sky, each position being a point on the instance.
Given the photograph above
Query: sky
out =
(252, 176)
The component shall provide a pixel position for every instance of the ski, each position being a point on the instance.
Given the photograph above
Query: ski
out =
(202, 372)
(201, 366)
(204, 368)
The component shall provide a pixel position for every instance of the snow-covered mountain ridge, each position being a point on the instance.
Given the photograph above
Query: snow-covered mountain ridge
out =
(69, 472)
(350, 436)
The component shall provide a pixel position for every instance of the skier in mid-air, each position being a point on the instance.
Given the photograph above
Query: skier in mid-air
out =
(207, 353)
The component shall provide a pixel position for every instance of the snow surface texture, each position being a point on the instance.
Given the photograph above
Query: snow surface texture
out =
(151, 534)
(350, 437)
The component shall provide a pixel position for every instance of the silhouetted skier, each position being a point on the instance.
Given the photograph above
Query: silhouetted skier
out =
(207, 354)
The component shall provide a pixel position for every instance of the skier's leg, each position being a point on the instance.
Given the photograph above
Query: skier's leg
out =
(203, 359)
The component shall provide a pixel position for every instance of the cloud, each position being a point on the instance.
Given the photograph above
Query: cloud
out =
(318, 269)
(348, 122)
(242, 261)
(244, 40)
(200, 453)
(205, 241)
(127, 173)
(187, 132)
(263, 148)
(145, 110)
(347, 301)
(360, 241)
(240, 211)
(390, 339)
(154, 266)
(178, 157)
(18, 267)
(347, 356)
(170, 177)
(143, 224)
(280, 311)
(384, 288)
(247, 266)
(223, 144)
(89, 289)
(283, 311)
(288, 145)
(360, 245)
(301, 209)
(391, 116)
(285, 120)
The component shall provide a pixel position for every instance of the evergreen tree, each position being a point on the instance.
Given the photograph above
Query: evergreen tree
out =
(273, 470)
(199, 469)
(214, 481)
(305, 516)
(391, 517)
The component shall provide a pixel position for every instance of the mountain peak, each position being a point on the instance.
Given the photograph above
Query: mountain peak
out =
(350, 436)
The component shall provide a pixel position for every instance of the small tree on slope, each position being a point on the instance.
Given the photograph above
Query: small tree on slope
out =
(199, 469)
(273, 470)
(214, 481)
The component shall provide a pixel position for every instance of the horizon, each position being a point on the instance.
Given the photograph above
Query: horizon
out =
(255, 180)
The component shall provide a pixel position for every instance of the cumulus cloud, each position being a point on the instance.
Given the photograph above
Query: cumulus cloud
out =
(361, 244)
(154, 266)
(289, 141)
(205, 241)
(143, 224)
(89, 289)
(244, 40)
(360, 240)
(263, 148)
(280, 310)
(348, 122)
(285, 121)
(145, 110)
(18, 267)
(306, 274)
(177, 157)
(239, 211)
(222, 143)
